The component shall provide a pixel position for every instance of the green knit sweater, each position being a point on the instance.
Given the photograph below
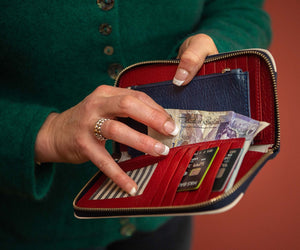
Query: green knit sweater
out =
(52, 55)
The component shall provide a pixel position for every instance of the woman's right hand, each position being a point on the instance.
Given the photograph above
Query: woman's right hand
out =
(69, 136)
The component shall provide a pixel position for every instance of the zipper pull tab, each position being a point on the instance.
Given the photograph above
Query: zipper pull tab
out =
(226, 70)
(236, 71)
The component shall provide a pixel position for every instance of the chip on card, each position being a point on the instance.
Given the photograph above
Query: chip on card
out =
(197, 169)
(226, 169)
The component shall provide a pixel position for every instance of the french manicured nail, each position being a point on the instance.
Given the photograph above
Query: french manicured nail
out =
(180, 76)
(133, 191)
(171, 128)
(130, 188)
(161, 149)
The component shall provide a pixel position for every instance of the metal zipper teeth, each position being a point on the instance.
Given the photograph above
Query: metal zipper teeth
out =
(240, 182)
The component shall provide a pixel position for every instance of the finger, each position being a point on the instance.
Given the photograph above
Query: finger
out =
(192, 56)
(102, 159)
(123, 134)
(129, 106)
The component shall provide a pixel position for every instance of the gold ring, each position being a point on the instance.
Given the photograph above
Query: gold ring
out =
(97, 130)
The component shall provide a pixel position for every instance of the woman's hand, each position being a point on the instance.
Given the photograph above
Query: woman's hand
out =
(69, 136)
(192, 54)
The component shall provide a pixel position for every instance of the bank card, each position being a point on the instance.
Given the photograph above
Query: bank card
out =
(226, 169)
(197, 169)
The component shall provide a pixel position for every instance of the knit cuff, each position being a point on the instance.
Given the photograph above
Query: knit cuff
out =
(39, 177)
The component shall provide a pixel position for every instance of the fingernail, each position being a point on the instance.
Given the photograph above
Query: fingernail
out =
(133, 191)
(180, 76)
(130, 188)
(161, 149)
(171, 128)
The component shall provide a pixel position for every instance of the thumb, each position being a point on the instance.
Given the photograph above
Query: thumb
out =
(192, 54)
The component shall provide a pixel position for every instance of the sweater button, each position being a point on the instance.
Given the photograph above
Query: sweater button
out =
(114, 70)
(105, 29)
(108, 50)
(105, 4)
(128, 230)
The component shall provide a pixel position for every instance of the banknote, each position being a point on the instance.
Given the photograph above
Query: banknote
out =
(195, 126)
(200, 126)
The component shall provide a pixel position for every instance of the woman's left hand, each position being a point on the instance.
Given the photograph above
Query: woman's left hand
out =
(192, 54)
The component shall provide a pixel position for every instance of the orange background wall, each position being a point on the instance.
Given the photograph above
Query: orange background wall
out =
(268, 216)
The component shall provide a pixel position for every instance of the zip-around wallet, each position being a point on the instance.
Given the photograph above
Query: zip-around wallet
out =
(242, 81)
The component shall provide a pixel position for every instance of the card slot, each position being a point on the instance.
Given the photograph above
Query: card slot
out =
(187, 196)
(181, 196)
(249, 160)
(184, 197)
(171, 166)
(170, 169)
(180, 170)
(202, 194)
(204, 190)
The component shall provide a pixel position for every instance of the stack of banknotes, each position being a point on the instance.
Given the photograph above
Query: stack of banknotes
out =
(200, 126)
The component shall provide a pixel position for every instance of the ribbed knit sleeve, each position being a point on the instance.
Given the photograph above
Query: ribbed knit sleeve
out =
(19, 125)
(234, 25)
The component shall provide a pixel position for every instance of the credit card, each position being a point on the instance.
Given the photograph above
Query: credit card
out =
(197, 169)
(226, 169)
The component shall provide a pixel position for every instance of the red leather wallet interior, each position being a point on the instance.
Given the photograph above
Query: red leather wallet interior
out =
(161, 189)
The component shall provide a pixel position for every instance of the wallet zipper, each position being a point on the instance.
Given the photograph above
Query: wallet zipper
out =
(155, 211)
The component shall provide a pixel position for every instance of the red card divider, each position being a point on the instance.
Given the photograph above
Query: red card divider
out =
(234, 145)
(182, 166)
(165, 174)
(180, 196)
